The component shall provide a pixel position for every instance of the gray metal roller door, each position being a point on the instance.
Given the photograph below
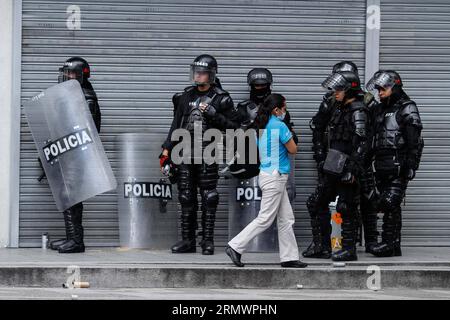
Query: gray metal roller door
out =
(414, 40)
(140, 52)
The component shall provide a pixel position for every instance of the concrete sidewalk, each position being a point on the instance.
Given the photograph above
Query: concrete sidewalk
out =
(412, 256)
(418, 268)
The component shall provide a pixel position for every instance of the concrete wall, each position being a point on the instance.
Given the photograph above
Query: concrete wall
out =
(9, 121)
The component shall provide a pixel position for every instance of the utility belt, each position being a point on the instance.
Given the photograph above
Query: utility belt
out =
(342, 134)
(389, 162)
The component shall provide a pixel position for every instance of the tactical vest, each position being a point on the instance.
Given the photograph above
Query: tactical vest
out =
(193, 113)
(341, 127)
(388, 133)
(251, 110)
(248, 111)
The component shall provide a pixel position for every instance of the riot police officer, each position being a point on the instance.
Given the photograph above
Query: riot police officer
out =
(260, 82)
(341, 164)
(397, 149)
(320, 246)
(78, 69)
(206, 103)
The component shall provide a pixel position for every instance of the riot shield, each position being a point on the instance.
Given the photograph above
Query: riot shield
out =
(68, 144)
(147, 202)
(243, 206)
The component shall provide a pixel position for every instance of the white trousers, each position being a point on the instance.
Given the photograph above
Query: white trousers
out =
(274, 204)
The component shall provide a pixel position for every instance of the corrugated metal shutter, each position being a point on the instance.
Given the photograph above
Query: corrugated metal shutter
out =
(140, 52)
(414, 40)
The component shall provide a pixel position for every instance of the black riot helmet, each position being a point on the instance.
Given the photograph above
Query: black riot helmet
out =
(345, 66)
(204, 63)
(343, 81)
(385, 79)
(259, 77)
(75, 68)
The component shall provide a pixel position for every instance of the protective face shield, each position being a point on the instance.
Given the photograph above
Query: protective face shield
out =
(66, 74)
(344, 85)
(383, 79)
(336, 82)
(202, 75)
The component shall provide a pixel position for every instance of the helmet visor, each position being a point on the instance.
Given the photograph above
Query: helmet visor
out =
(202, 75)
(66, 74)
(381, 79)
(336, 82)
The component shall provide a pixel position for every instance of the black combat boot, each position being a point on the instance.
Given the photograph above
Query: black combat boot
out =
(55, 244)
(188, 227)
(390, 244)
(398, 236)
(74, 230)
(207, 243)
(369, 220)
(320, 246)
(325, 228)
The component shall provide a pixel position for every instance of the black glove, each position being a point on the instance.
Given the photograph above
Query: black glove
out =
(410, 173)
(209, 111)
(409, 169)
(354, 168)
(168, 168)
(163, 160)
(347, 177)
(320, 165)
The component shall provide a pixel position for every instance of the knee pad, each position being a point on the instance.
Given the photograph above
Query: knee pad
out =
(210, 197)
(311, 203)
(186, 197)
(389, 202)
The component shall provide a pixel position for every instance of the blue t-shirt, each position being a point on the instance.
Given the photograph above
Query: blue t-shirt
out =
(273, 154)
